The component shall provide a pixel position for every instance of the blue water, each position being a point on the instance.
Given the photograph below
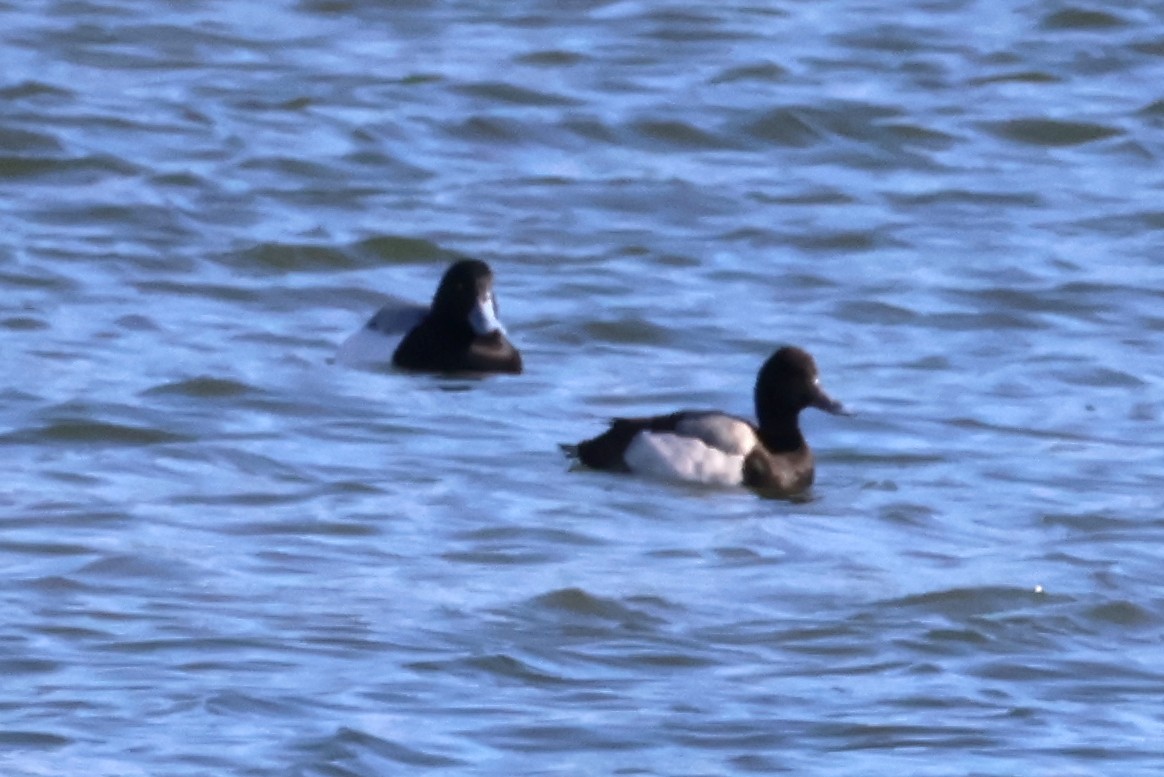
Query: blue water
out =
(225, 554)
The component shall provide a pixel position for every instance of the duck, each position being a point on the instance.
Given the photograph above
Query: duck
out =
(459, 332)
(715, 448)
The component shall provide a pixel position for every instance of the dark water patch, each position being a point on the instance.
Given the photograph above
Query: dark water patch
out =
(292, 528)
(737, 557)
(899, 39)
(491, 130)
(1082, 19)
(330, 641)
(788, 127)
(1109, 680)
(985, 198)
(969, 602)
(33, 277)
(60, 585)
(935, 736)
(1021, 77)
(209, 290)
(201, 387)
(859, 121)
(92, 432)
(908, 514)
(684, 27)
(249, 499)
(147, 222)
(32, 90)
(898, 134)
(236, 646)
(126, 567)
(1099, 377)
(71, 634)
(501, 92)
(577, 605)
(1073, 301)
(854, 240)
(46, 548)
(290, 169)
(592, 129)
(890, 459)
(552, 58)
(516, 545)
(78, 170)
(383, 166)
(370, 754)
(881, 313)
(836, 638)
(27, 666)
(32, 740)
(1051, 132)
(950, 641)
(499, 667)
(628, 331)
(761, 72)
(559, 738)
(1089, 521)
(978, 424)
(759, 764)
(1121, 225)
(731, 734)
(1154, 109)
(21, 142)
(678, 134)
(398, 249)
(23, 323)
(936, 363)
(60, 512)
(135, 322)
(986, 321)
(1153, 48)
(148, 46)
(1124, 614)
(280, 258)
(231, 456)
(807, 196)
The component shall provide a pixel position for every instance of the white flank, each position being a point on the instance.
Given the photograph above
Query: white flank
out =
(367, 346)
(376, 341)
(675, 457)
(721, 431)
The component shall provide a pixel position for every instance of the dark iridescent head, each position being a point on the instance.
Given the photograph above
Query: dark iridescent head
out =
(466, 294)
(789, 382)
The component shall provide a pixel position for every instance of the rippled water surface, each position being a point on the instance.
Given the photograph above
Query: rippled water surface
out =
(225, 554)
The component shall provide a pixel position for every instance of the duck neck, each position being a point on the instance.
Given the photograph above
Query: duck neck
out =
(779, 423)
(452, 329)
(781, 433)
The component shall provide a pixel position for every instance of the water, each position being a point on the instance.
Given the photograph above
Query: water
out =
(224, 554)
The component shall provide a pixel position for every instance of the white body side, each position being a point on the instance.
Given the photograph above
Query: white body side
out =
(721, 431)
(671, 456)
(376, 341)
(367, 346)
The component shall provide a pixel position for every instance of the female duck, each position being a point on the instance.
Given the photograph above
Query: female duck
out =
(719, 449)
(459, 332)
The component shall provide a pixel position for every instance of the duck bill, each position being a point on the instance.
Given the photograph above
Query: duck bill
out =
(483, 316)
(822, 401)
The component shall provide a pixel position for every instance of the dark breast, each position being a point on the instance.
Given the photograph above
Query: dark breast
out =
(780, 473)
